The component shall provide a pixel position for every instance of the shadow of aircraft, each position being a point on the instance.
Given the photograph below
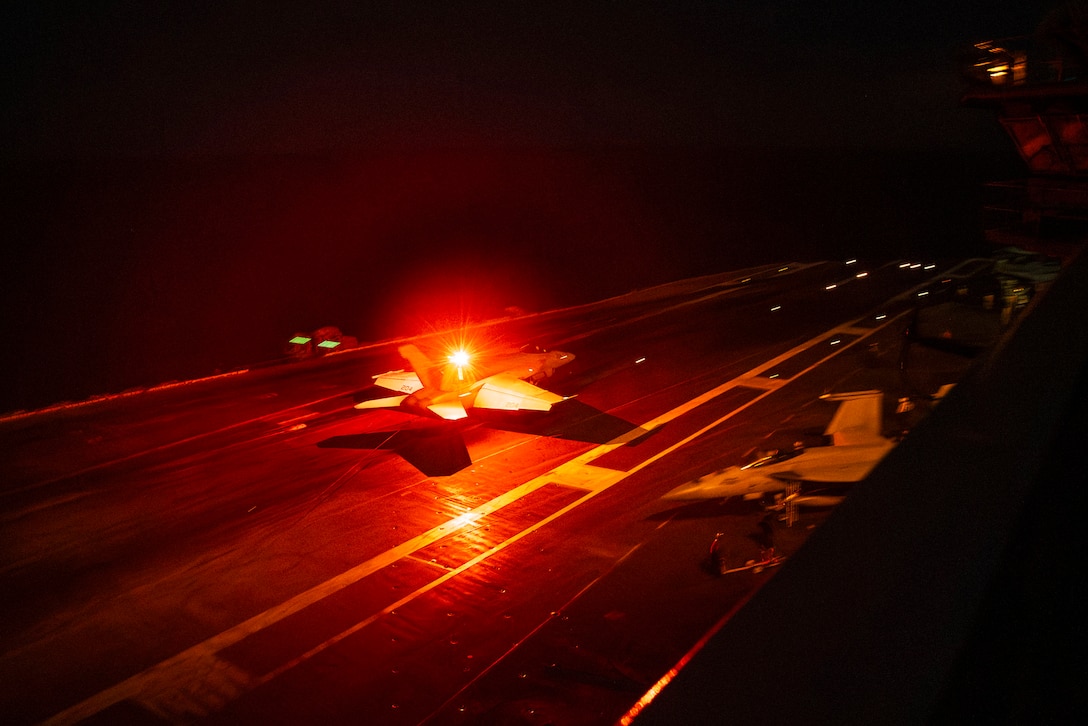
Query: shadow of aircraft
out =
(439, 449)
(571, 420)
(572, 379)
(434, 450)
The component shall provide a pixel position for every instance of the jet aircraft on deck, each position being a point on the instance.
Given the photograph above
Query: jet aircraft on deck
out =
(857, 447)
(448, 388)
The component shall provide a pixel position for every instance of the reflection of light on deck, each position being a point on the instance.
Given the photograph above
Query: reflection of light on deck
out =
(649, 696)
(464, 520)
(670, 675)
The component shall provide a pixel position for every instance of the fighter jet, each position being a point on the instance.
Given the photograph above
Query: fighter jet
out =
(448, 388)
(857, 447)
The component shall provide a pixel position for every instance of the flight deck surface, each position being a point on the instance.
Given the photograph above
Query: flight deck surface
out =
(194, 553)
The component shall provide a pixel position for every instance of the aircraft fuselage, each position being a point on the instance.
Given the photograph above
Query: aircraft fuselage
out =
(823, 464)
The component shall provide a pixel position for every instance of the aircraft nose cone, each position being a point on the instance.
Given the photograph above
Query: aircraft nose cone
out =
(719, 484)
(696, 489)
(683, 491)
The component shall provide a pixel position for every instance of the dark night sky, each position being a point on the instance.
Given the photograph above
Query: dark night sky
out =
(208, 178)
(212, 77)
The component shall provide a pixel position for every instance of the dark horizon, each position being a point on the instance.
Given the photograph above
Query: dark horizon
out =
(158, 270)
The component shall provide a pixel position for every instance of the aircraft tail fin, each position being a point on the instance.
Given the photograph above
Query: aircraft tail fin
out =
(421, 364)
(943, 391)
(859, 418)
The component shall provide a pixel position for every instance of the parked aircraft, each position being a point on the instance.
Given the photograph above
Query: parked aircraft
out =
(857, 447)
(448, 388)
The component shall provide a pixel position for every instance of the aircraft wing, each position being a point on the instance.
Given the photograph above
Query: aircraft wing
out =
(449, 410)
(835, 464)
(507, 393)
(401, 381)
(390, 402)
(842, 472)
